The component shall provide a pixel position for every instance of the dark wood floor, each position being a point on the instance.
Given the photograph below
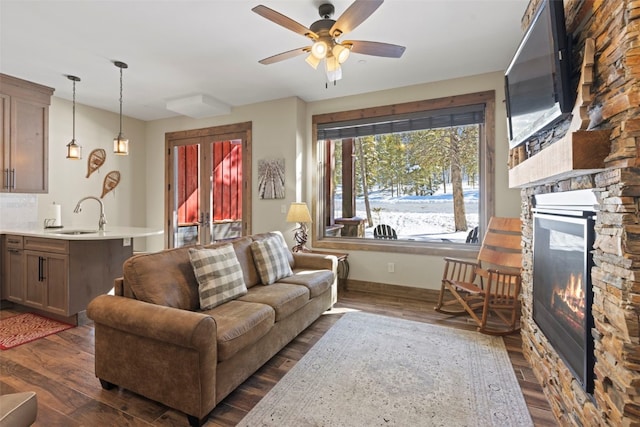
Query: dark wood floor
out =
(60, 369)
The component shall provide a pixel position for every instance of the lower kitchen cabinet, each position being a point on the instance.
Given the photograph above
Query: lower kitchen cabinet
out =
(46, 281)
(60, 276)
(46, 266)
(13, 272)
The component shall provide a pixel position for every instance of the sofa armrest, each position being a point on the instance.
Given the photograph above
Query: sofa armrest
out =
(163, 353)
(179, 327)
(311, 261)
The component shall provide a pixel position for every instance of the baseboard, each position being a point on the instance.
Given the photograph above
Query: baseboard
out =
(420, 294)
(76, 319)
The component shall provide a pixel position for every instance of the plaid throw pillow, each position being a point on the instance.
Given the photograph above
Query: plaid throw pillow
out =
(219, 275)
(271, 259)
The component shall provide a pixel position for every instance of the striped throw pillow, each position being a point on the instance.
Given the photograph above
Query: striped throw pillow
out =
(219, 275)
(271, 259)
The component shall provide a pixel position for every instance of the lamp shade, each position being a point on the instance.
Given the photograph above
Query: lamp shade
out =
(341, 52)
(121, 145)
(298, 212)
(313, 61)
(319, 49)
(74, 151)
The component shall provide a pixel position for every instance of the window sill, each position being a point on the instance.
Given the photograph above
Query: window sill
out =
(460, 250)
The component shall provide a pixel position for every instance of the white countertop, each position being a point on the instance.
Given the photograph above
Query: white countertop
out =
(87, 233)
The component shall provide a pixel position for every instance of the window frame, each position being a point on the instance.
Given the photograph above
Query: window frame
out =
(486, 161)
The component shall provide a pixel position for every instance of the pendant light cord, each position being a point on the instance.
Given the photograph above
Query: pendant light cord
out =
(120, 100)
(74, 111)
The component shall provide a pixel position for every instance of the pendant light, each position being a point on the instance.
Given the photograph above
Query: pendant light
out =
(120, 143)
(74, 151)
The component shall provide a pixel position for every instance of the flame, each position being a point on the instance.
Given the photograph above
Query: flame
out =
(571, 296)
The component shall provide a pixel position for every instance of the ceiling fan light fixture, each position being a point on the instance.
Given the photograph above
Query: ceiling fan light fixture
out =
(313, 61)
(319, 49)
(333, 69)
(341, 52)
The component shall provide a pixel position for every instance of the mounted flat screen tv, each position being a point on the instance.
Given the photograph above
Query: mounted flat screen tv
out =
(538, 81)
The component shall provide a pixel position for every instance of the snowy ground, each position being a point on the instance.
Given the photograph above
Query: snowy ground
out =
(418, 217)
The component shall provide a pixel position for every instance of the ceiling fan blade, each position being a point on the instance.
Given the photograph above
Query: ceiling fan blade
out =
(284, 21)
(386, 50)
(354, 16)
(284, 55)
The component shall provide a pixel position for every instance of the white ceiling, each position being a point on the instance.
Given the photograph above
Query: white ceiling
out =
(181, 48)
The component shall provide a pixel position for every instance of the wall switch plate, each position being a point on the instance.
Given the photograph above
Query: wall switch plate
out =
(126, 241)
(283, 209)
(391, 267)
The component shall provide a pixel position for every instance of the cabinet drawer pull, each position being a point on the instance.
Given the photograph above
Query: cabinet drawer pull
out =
(6, 183)
(13, 179)
(41, 269)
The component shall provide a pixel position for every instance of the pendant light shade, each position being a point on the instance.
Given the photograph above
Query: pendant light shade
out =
(120, 142)
(74, 151)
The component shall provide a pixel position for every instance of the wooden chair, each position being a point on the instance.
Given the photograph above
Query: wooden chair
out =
(383, 231)
(489, 285)
(472, 237)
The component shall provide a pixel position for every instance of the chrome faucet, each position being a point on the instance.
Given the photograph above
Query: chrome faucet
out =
(103, 220)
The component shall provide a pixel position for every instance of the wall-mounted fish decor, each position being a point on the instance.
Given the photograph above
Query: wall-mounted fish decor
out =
(96, 159)
(111, 181)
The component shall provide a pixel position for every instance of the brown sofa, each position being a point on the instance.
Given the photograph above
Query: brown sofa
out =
(153, 339)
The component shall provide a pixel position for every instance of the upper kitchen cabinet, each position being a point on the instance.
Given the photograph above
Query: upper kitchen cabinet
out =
(24, 112)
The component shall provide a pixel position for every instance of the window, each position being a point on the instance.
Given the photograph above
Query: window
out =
(413, 177)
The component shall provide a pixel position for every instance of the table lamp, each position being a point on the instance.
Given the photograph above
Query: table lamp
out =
(298, 212)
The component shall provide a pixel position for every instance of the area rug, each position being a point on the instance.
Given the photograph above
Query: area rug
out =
(27, 327)
(371, 370)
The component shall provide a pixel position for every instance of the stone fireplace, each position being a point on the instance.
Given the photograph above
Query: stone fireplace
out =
(615, 273)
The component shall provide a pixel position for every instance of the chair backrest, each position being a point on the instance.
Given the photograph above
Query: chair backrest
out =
(383, 231)
(502, 244)
(472, 237)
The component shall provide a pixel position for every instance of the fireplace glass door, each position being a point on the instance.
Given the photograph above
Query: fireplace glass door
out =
(562, 292)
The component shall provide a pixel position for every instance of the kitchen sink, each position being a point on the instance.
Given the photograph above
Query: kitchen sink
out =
(76, 232)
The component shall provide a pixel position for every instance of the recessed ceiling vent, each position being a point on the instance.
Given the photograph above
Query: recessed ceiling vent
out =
(198, 106)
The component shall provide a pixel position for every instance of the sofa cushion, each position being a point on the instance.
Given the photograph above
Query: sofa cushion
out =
(219, 275)
(163, 278)
(271, 234)
(317, 281)
(282, 297)
(270, 256)
(239, 324)
(242, 246)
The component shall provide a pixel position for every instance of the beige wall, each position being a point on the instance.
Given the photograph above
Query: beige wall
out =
(95, 128)
(281, 129)
(274, 135)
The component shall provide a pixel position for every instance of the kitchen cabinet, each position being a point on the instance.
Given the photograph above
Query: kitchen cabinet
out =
(61, 276)
(24, 141)
(13, 256)
(46, 265)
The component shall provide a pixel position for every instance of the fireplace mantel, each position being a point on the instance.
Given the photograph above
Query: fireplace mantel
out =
(579, 153)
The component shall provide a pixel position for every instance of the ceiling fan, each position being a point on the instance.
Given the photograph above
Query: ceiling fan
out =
(325, 34)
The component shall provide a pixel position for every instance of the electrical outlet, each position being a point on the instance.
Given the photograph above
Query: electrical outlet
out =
(126, 241)
(391, 267)
(283, 209)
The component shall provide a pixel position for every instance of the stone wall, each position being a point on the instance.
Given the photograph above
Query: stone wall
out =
(615, 26)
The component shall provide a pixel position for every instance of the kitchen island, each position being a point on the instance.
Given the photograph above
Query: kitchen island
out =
(58, 271)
